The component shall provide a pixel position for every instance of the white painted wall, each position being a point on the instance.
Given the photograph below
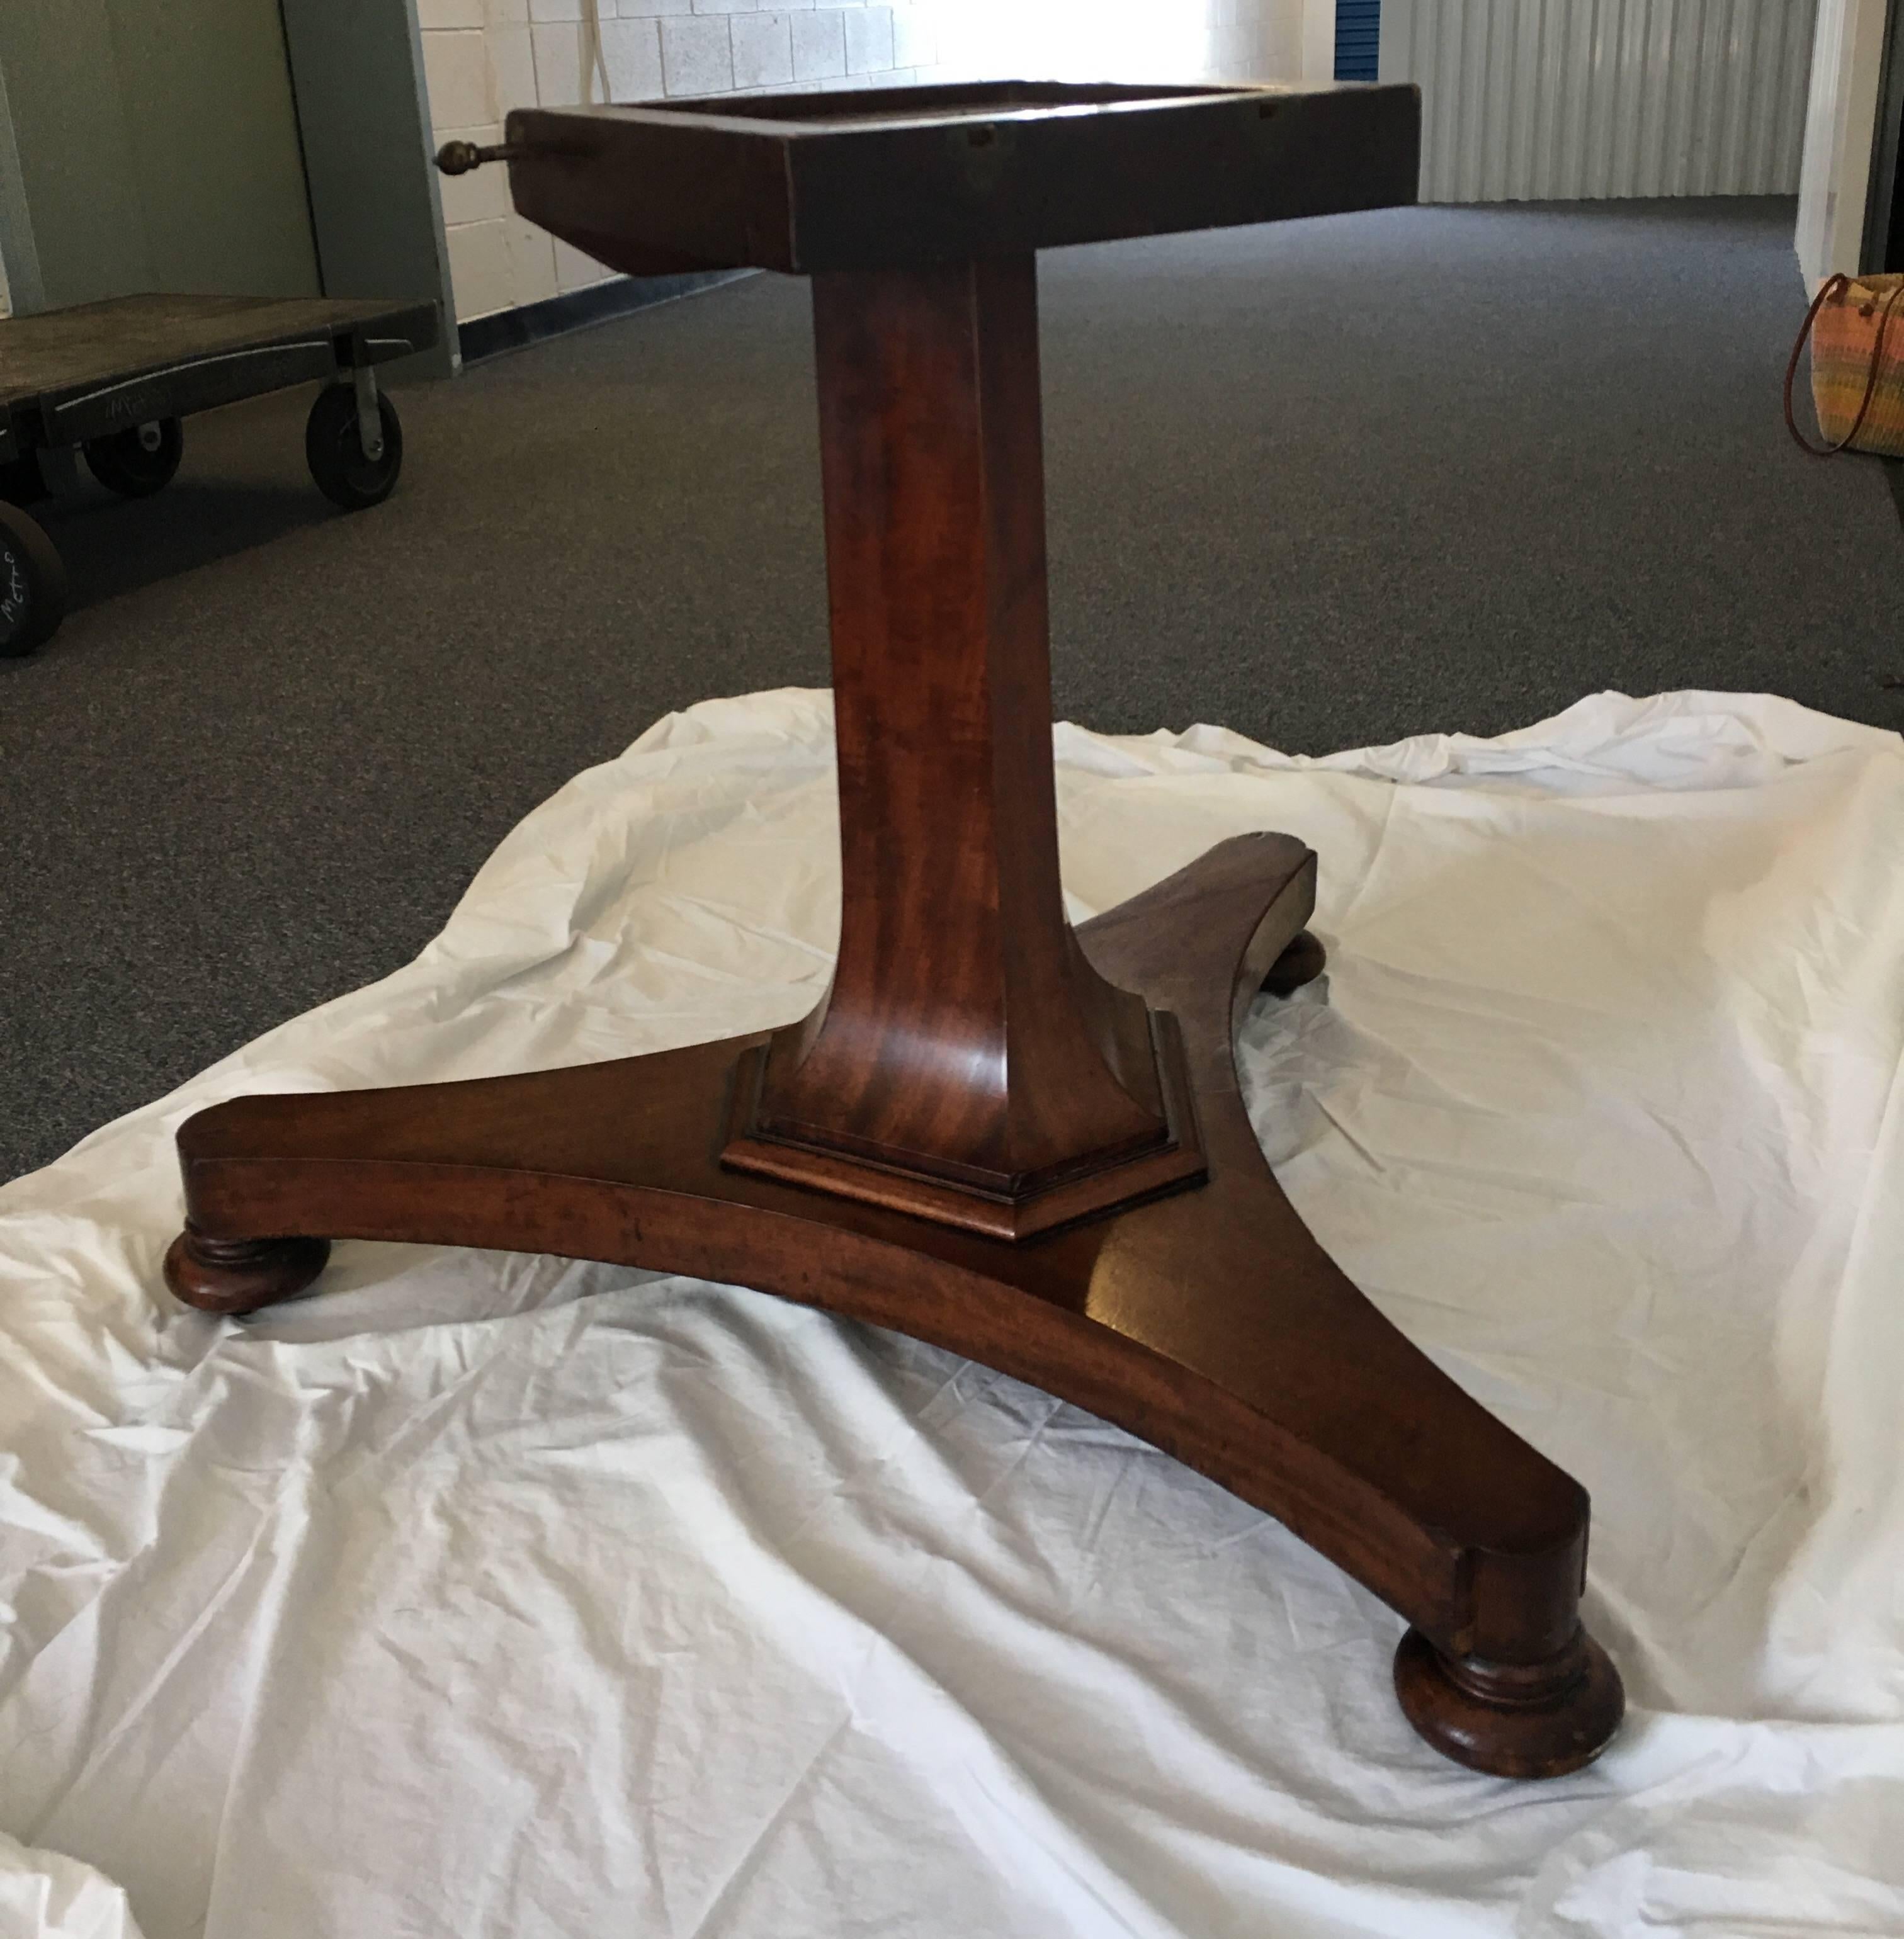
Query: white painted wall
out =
(481, 58)
(1318, 40)
(1152, 40)
(1840, 130)
(1564, 99)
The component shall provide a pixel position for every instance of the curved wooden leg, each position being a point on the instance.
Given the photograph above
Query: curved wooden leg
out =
(1326, 1415)
(1207, 1320)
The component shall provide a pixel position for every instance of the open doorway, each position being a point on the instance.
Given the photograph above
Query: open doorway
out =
(1883, 233)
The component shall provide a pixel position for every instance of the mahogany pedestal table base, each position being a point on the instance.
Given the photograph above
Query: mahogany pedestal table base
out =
(1022, 1142)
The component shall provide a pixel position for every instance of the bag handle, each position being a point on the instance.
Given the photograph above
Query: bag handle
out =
(1833, 286)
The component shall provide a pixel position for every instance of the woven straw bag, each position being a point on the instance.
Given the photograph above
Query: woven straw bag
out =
(1857, 329)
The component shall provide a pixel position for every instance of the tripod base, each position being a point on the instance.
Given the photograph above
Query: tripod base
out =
(1206, 1319)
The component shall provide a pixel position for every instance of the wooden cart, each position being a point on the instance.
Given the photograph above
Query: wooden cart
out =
(114, 379)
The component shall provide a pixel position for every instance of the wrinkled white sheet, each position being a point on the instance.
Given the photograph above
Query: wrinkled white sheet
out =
(46, 1895)
(490, 1595)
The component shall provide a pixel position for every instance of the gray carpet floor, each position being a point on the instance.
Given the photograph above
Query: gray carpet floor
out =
(1327, 483)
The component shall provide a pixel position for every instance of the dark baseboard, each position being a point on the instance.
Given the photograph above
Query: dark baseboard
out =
(486, 336)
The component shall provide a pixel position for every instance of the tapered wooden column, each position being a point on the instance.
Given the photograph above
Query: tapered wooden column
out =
(968, 1064)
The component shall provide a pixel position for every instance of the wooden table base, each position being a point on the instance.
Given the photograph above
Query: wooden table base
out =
(1207, 1321)
(1018, 1142)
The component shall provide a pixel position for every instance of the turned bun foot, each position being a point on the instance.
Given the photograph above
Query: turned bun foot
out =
(241, 1275)
(1303, 962)
(1511, 1720)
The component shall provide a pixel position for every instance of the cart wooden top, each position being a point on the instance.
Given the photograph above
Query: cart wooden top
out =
(127, 339)
(892, 177)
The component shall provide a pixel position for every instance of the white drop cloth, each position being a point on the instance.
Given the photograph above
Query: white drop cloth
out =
(492, 1597)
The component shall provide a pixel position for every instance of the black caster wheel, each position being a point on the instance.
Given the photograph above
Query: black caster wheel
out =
(32, 585)
(139, 460)
(335, 452)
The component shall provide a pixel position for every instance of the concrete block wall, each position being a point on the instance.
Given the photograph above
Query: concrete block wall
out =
(481, 58)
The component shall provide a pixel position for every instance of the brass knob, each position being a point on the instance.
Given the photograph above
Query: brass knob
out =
(458, 158)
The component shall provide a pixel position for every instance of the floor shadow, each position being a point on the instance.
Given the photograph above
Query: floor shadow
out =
(113, 546)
